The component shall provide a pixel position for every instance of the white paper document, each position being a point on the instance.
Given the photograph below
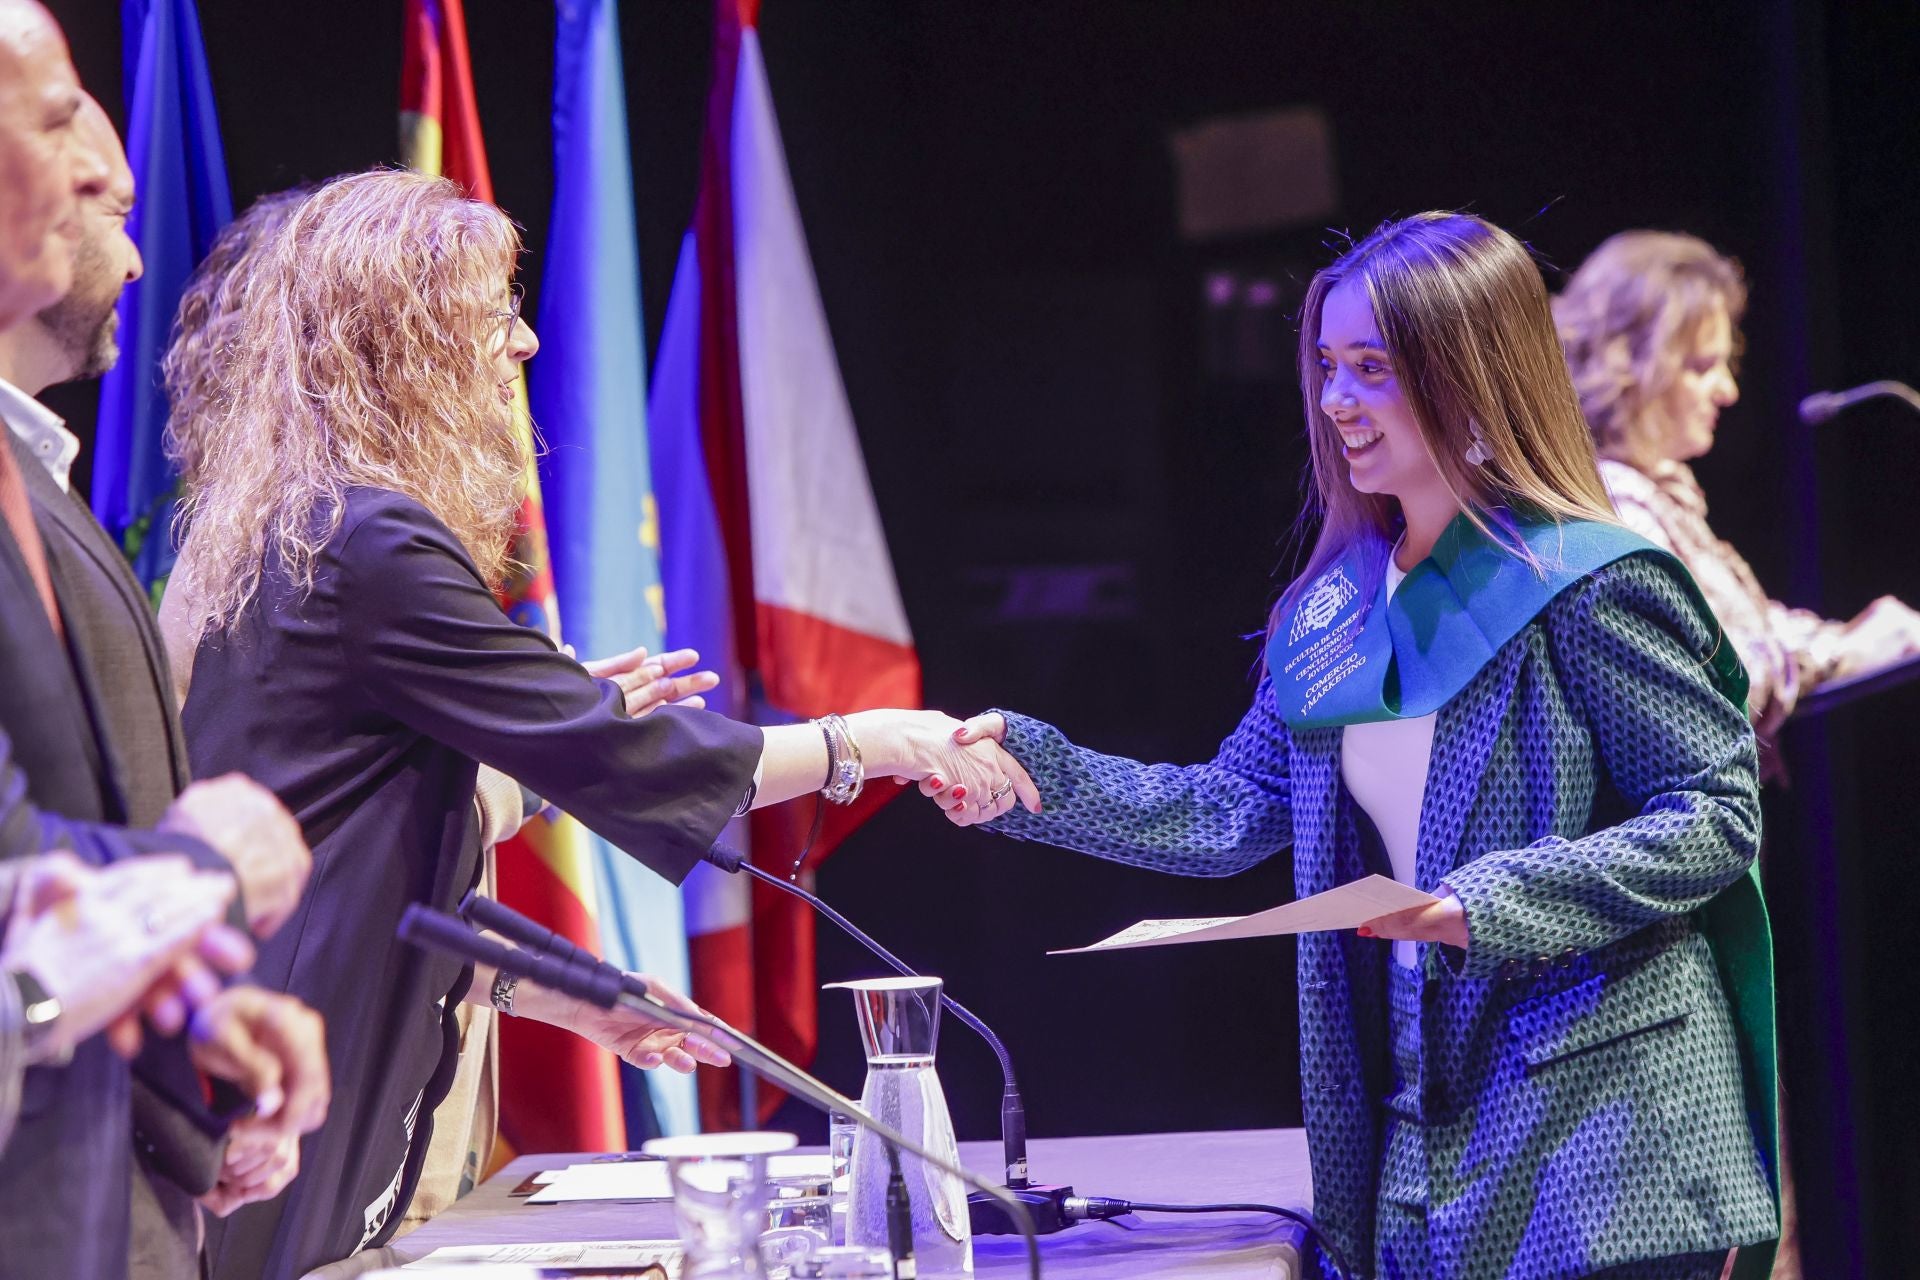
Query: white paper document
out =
(1345, 907)
(580, 1254)
(625, 1180)
(647, 1179)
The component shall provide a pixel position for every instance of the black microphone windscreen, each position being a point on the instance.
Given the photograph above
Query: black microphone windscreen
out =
(425, 927)
(725, 857)
(505, 921)
(1819, 407)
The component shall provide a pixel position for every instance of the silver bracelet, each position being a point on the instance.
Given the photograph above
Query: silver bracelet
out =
(846, 775)
(504, 986)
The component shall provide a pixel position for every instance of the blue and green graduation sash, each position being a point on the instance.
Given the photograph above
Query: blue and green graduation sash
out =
(1339, 659)
(1346, 653)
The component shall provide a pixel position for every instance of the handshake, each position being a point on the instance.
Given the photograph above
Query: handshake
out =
(959, 764)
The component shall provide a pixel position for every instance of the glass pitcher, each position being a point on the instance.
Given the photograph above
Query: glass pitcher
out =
(900, 1026)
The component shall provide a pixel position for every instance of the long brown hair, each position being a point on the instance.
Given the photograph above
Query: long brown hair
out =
(1465, 317)
(361, 354)
(1627, 318)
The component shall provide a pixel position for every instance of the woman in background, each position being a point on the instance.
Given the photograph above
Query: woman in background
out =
(1486, 687)
(1650, 323)
(1651, 326)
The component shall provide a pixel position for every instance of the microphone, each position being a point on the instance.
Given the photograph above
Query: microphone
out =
(433, 930)
(1047, 1203)
(504, 920)
(1822, 405)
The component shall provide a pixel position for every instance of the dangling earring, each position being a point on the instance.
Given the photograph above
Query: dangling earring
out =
(1478, 455)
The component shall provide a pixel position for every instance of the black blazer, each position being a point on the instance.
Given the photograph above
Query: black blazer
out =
(120, 665)
(365, 704)
(110, 623)
(65, 1178)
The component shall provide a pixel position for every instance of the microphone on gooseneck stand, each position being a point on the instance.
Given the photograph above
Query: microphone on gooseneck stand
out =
(1822, 405)
(588, 978)
(1046, 1203)
(431, 929)
(536, 937)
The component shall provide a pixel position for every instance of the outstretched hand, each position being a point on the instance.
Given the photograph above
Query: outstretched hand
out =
(650, 681)
(966, 803)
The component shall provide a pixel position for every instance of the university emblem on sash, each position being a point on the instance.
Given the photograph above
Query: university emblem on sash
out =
(1321, 605)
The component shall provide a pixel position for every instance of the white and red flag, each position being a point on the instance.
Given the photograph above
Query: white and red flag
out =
(775, 564)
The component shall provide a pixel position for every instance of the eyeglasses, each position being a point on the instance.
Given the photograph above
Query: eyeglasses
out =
(516, 298)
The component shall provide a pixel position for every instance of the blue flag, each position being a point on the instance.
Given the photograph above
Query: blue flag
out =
(589, 396)
(180, 175)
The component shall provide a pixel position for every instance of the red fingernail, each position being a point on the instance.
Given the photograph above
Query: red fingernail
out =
(959, 793)
(959, 733)
(935, 780)
(1364, 932)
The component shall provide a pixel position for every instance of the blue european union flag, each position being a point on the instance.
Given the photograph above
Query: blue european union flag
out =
(180, 176)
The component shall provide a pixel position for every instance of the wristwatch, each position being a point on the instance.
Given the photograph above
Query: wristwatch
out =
(504, 984)
(40, 1012)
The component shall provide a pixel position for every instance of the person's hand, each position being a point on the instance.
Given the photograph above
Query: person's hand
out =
(1883, 633)
(635, 1036)
(650, 682)
(273, 1048)
(964, 805)
(260, 1161)
(1442, 921)
(248, 826)
(100, 940)
(961, 765)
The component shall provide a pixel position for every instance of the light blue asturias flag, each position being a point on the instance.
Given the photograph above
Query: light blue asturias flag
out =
(589, 395)
(180, 175)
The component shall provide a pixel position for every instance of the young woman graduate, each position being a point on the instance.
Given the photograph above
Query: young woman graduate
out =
(349, 501)
(1483, 686)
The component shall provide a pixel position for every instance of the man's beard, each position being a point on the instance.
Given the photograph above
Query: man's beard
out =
(84, 334)
(83, 323)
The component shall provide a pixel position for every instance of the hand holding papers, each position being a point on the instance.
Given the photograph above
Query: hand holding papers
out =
(1345, 907)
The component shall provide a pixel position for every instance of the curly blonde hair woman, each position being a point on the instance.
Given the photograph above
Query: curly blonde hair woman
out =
(315, 362)
(1650, 323)
(351, 494)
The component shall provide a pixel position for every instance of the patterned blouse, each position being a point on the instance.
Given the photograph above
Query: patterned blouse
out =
(1788, 653)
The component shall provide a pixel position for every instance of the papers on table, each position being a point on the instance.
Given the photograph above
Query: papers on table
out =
(532, 1259)
(647, 1179)
(1345, 907)
(639, 1180)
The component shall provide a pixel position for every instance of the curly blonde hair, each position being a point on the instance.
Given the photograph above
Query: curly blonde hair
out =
(1627, 319)
(359, 351)
(200, 348)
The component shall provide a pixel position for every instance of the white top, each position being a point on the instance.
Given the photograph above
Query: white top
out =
(41, 430)
(1384, 765)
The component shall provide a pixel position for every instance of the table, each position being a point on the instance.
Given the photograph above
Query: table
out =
(1266, 1166)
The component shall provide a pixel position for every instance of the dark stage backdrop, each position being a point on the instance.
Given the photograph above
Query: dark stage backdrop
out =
(1083, 427)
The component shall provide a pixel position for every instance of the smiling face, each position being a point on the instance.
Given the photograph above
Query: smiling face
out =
(81, 327)
(1380, 438)
(45, 167)
(1689, 409)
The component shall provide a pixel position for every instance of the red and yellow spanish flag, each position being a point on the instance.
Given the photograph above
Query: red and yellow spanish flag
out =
(557, 1092)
